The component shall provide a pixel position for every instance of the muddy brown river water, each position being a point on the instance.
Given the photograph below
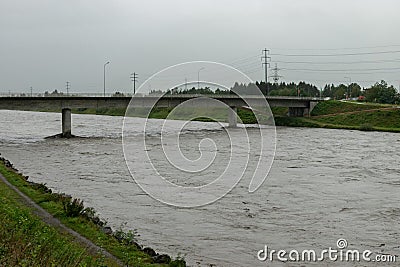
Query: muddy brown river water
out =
(324, 185)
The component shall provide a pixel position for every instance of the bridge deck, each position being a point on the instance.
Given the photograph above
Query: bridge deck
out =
(297, 106)
(55, 102)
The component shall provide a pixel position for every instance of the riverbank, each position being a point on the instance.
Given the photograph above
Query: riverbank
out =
(328, 114)
(355, 116)
(31, 239)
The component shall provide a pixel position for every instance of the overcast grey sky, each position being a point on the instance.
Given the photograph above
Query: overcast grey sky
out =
(45, 43)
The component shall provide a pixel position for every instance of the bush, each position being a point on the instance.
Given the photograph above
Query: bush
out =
(73, 208)
(178, 262)
(127, 238)
(41, 187)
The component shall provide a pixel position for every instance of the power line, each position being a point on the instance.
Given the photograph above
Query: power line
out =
(336, 49)
(338, 54)
(252, 70)
(248, 64)
(342, 70)
(339, 63)
(252, 63)
(352, 73)
(244, 59)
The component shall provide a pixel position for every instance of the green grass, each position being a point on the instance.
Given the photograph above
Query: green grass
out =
(334, 106)
(346, 115)
(388, 120)
(25, 240)
(296, 122)
(127, 252)
(246, 116)
(279, 111)
(159, 113)
(327, 114)
(101, 111)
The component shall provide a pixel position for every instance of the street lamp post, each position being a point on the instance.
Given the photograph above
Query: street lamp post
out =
(348, 87)
(198, 77)
(104, 78)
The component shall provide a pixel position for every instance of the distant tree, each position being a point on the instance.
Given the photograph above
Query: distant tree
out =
(290, 89)
(284, 92)
(156, 92)
(54, 93)
(192, 91)
(341, 91)
(263, 87)
(381, 93)
(118, 94)
(355, 90)
(247, 89)
(307, 89)
(221, 91)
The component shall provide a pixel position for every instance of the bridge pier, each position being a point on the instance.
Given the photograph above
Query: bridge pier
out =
(66, 123)
(297, 111)
(232, 117)
(302, 111)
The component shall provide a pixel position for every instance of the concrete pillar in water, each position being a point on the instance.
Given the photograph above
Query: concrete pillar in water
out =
(232, 117)
(66, 123)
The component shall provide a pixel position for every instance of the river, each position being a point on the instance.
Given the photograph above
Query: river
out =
(324, 185)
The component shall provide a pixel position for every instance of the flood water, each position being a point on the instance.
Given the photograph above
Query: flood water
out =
(324, 185)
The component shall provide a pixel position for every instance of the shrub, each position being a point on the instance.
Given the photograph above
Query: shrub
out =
(178, 262)
(73, 208)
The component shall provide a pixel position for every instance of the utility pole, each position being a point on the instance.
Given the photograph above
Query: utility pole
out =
(134, 77)
(399, 88)
(185, 84)
(31, 91)
(265, 57)
(104, 78)
(275, 75)
(198, 77)
(348, 88)
(67, 87)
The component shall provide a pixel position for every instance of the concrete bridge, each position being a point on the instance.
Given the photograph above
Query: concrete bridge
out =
(298, 106)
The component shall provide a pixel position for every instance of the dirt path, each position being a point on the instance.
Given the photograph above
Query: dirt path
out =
(49, 219)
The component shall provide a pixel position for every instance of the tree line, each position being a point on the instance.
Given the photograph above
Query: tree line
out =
(379, 92)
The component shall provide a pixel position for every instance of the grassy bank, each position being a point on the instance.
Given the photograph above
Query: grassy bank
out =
(335, 107)
(327, 114)
(347, 115)
(359, 116)
(25, 239)
(246, 116)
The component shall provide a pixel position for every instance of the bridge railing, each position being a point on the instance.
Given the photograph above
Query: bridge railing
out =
(9, 94)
